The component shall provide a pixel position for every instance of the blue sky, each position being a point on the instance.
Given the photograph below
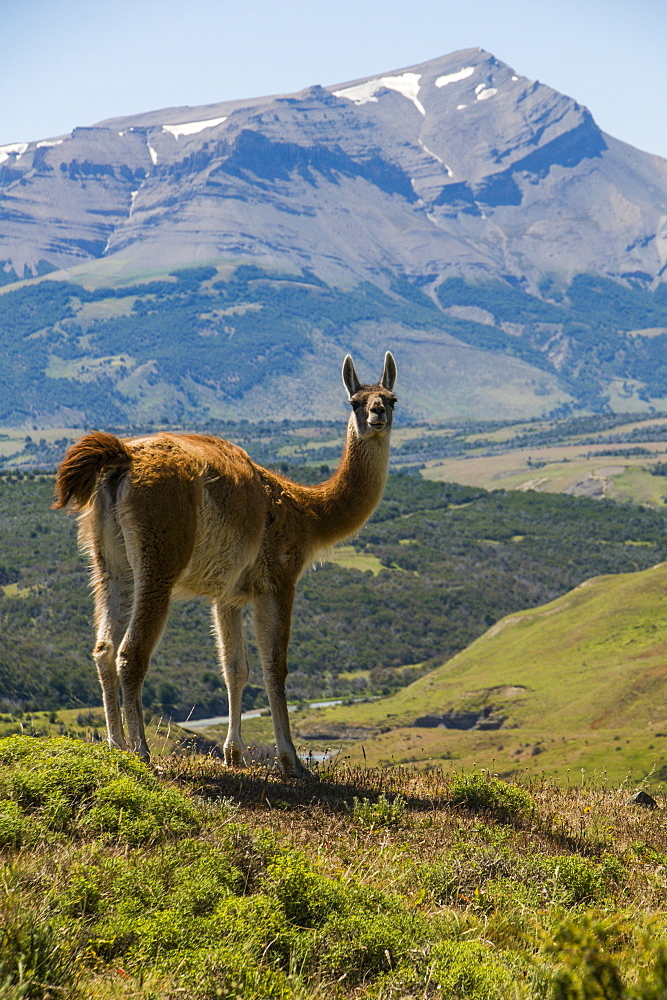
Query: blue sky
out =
(74, 62)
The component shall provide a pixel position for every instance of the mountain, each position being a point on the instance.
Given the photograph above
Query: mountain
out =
(471, 217)
(579, 682)
(457, 166)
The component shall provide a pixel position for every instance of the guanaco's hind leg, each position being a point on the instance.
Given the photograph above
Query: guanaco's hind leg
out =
(157, 522)
(113, 601)
(228, 624)
(147, 620)
(112, 588)
(272, 624)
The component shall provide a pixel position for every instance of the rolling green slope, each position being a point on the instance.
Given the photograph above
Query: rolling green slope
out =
(579, 682)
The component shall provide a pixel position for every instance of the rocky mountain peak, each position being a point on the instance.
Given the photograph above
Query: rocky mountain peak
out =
(455, 166)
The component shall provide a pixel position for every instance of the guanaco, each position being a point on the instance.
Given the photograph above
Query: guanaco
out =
(184, 515)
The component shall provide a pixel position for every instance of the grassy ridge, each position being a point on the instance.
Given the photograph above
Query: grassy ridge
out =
(581, 682)
(203, 882)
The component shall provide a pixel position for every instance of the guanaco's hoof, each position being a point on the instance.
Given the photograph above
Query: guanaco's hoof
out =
(295, 769)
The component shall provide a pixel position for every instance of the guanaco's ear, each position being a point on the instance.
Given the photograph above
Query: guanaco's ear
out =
(389, 373)
(350, 380)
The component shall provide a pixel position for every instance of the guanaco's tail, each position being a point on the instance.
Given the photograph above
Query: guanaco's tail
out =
(83, 463)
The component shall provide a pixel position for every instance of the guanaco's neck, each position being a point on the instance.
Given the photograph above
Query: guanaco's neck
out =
(342, 504)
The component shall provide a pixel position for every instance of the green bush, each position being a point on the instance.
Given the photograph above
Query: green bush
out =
(367, 944)
(384, 812)
(468, 970)
(307, 897)
(12, 824)
(574, 879)
(587, 968)
(226, 974)
(479, 791)
(128, 810)
(61, 785)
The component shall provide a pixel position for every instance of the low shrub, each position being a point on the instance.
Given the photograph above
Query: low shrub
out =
(479, 791)
(592, 963)
(383, 812)
(12, 824)
(135, 813)
(366, 944)
(307, 897)
(571, 879)
(61, 785)
(468, 969)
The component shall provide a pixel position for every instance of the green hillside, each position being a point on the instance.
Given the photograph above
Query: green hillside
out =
(208, 342)
(579, 682)
(202, 882)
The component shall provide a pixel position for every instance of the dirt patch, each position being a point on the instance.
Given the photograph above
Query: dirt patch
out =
(508, 690)
(596, 484)
(592, 487)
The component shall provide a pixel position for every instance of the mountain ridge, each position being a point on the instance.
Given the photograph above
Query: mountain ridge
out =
(471, 139)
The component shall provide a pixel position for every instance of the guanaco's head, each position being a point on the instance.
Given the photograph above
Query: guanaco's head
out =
(372, 405)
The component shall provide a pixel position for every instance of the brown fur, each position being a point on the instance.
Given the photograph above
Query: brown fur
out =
(191, 515)
(81, 466)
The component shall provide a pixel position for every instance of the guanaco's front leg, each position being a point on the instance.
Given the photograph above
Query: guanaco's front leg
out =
(273, 613)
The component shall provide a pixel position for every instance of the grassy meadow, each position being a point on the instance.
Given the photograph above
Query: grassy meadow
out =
(618, 463)
(191, 880)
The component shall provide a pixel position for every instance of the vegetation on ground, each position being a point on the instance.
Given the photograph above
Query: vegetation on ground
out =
(371, 883)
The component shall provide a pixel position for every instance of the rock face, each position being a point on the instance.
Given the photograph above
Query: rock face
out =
(487, 718)
(455, 167)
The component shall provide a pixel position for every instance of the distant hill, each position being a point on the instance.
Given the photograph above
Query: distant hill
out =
(579, 682)
(205, 259)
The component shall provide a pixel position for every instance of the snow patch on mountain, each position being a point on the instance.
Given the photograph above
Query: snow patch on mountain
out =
(13, 149)
(482, 92)
(462, 74)
(191, 128)
(407, 84)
